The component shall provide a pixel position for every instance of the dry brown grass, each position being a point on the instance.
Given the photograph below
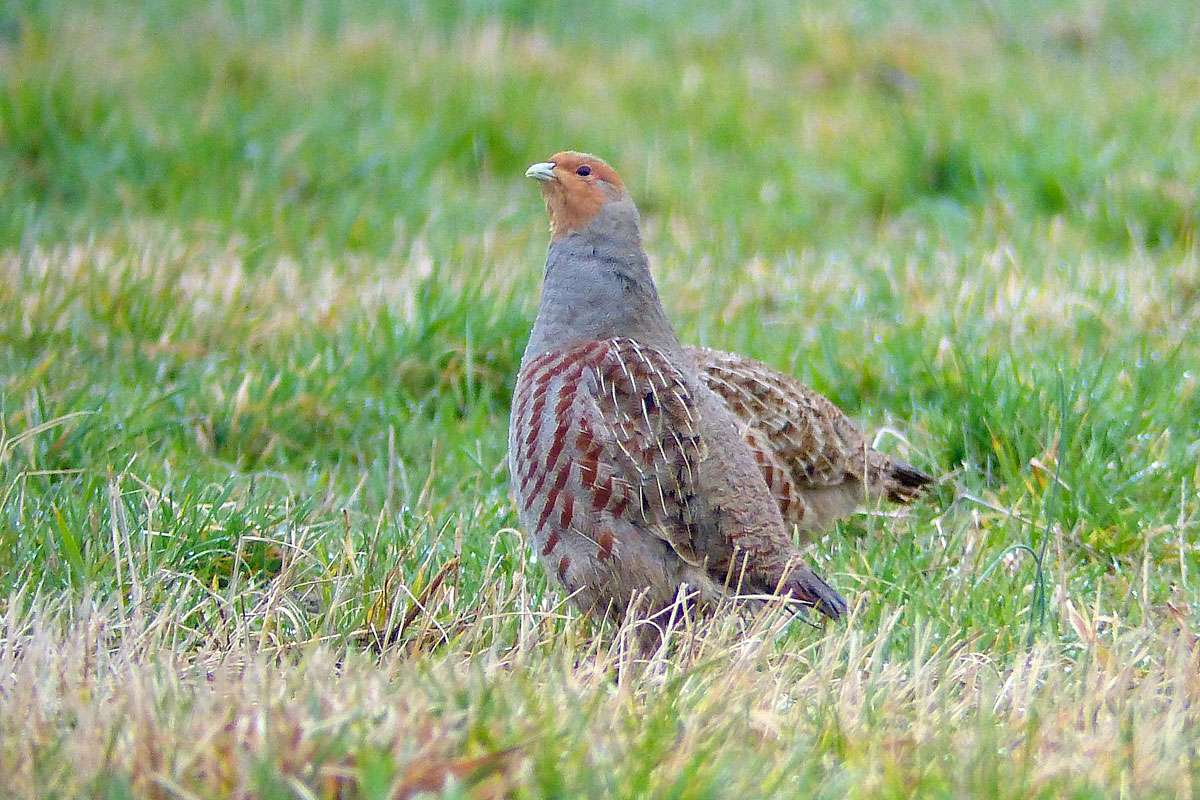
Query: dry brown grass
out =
(90, 697)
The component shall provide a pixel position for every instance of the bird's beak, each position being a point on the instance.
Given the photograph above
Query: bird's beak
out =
(542, 171)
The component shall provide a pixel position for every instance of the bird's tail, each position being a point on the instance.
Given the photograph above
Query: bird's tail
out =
(801, 583)
(897, 480)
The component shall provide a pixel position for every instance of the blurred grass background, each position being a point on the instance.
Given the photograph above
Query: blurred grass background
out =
(302, 124)
(266, 271)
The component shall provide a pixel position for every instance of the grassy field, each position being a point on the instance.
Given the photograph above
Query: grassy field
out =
(266, 272)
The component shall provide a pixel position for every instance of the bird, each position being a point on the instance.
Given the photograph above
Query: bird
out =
(647, 473)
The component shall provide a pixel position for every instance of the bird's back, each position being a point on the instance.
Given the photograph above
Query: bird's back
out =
(814, 459)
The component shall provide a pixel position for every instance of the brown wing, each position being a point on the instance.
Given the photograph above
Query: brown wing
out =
(650, 425)
(800, 433)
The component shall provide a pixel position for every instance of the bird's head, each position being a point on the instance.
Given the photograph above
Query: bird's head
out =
(576, 186)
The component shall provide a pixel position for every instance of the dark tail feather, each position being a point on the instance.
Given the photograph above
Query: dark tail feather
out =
(905, 482)
(806, 586)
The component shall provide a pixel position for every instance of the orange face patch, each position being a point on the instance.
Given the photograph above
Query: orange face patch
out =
(595, 169)
(582, 185)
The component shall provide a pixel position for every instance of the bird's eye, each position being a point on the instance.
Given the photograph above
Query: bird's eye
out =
(584, 171)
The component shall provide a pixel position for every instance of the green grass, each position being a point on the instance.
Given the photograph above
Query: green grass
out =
(266, 272)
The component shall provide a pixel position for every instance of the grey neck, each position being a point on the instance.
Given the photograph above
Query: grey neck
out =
(598, 286)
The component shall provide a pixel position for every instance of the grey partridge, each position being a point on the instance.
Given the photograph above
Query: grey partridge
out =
(645, 472)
